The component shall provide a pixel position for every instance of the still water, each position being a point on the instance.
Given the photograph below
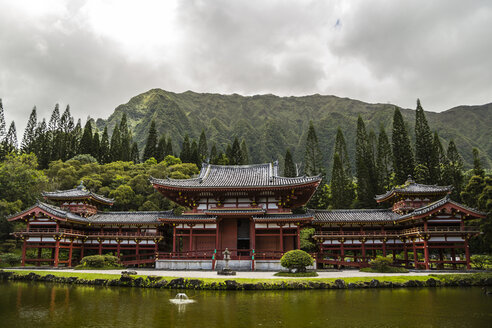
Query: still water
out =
(47, 305)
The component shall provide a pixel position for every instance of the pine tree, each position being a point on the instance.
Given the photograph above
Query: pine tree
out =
(65, 134)
(403, 163)
(340, 185)
(439, 159)
(195, 157)
(313, 159)
(75, 137)
(289, 166)
(453, 170)
(477, 164)
(244, 153)
(341, 149)
(364, 162)
(55, 119)
(115, 145)
(10, 141)
(161, 148)
(186, 150)
(228, 153)
(3, 131)
(202, 147)
(126, 139)
(104, 151)
(235, 158)
(29, 133)
(424, 144)
(383, 161)
(151, 144)
(96, 146)
(86, 141)
(214, 155)
(169, 148)
(41, 147)
(135, 156)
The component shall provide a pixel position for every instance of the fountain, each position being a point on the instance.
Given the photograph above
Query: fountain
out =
(181, 298)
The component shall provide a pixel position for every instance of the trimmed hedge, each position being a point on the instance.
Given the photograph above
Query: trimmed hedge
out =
(99, 262)
(296, 259)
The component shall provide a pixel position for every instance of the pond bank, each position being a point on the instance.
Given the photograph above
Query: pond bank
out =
(154, 281)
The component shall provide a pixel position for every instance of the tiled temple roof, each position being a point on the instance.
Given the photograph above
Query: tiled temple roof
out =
(53, 210)
(235, 210)
(285, 217)
(441, 202)
(77, 193)
(354, 216)
(129, 217)
(230, 176)
(412, 188)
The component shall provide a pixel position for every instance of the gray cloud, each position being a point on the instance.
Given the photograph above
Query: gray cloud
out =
(376, 51)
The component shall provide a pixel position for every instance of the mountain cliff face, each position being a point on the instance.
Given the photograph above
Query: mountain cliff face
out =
(271, 124)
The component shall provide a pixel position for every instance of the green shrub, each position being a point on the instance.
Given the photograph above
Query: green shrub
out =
(99, 261)
(297, 274)
(11, 258)
(296, 259)
(481, 261)
(381, 264)
(8, 246)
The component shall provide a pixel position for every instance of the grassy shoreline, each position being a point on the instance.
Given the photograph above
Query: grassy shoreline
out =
(230, 283)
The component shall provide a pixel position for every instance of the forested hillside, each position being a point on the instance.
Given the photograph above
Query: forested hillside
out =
(271, 124)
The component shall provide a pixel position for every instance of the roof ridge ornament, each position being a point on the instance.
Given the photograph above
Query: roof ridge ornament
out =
(81, 186)
(410, 180)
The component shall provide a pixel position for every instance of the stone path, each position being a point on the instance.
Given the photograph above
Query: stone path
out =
(245, 274)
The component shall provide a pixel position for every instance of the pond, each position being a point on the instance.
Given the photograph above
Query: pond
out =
(50, 305)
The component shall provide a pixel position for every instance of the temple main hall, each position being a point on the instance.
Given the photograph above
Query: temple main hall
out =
(257, 215)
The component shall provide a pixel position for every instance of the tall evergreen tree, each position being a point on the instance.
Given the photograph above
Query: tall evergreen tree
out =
(96, 146)
(115, 145)
(161, 148)
(235, 158)
(55, 119)
(86, 141)
(477, 164)
(104, 151)
(64, 136)
(313, 159)
(41, 145)
(341, 149)
(424, 144)
(186, 150)
(228, 153)
(135, 156)
(403, 163)
(10, 141)
(342, 193)
(169, 147)
(439, 158)
(3, 131)
(195, 157)
(453, 170)
(75, 137)
(364, 162)
(244, 153)
(214, 154)
(289, 166)
(151, 144)
(30, 133)
(202, 147)
(126, 139)
(383, 161)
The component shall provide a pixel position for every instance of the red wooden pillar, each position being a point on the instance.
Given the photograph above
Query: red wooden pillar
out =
(298, 236)
(426, 254)
(70, 251)
(174, 238)
(281, 226)
(39, 256)
(137, 250)
(384, 246)
(252, 234)
(453, 257)
(191, 238)
(100, 246)
(363, 246)
(467, 254)
(405, 252)
(118, 248)
(57, 252)
(415, 257)
(24, 246)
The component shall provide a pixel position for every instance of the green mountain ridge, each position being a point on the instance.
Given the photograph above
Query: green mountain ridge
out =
(270, 124)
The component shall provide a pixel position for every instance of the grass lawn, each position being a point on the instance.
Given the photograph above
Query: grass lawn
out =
(92, 276)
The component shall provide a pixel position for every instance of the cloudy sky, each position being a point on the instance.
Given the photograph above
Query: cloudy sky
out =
(95, 55)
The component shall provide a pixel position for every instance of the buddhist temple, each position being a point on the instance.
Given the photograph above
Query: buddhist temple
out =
(257, 215)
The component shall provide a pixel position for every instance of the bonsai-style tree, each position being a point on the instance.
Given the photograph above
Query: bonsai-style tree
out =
(296, 259)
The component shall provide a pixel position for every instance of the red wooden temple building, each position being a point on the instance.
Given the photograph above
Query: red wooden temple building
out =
(422, 221)
(250, 210)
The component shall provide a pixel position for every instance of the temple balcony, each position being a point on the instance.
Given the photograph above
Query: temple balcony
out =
(445, 230)
(48, 231)
(80, 209)
(33, 232)
(355, 234)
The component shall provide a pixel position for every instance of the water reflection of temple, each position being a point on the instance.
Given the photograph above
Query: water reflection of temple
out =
(253, 212)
